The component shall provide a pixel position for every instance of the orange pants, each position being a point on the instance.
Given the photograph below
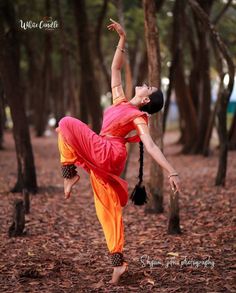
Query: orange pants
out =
(107, 203)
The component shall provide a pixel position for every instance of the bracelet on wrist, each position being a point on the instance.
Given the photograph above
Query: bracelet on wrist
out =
(173, 174)
(122, 50)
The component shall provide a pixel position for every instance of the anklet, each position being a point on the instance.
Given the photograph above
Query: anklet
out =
(68, 171)
(117, 259)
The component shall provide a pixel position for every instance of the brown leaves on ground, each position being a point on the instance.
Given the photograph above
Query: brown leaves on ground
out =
(64, 249)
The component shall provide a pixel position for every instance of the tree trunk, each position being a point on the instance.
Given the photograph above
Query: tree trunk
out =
(26, 196)
(168, 95)
(223, 137)
(89, 89)
(43, 104)
(61, 96)
(57, 97)
(34, 75)
(18, 224)
(128, 79)
(188, 118)
(202, 64)
(219, 65)
(174, 221)
(67, 93)
(159, 5)
(2, 116)
(142, 69)
(226, 93)
(10, 70)
(136, 60)
(232, 134)
(98, 44)
(154, 68)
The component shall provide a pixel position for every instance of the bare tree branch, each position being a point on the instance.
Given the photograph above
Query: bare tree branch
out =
(215, 35)
(222, 12)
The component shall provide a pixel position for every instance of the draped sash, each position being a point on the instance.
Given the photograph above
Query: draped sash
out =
(105, 156)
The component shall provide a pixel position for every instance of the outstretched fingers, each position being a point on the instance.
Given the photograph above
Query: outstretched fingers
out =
(116, 27)
(111, 26)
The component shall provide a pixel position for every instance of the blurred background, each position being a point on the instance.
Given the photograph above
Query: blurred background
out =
(55, 60)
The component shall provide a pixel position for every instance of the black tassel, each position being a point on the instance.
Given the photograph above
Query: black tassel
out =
(139, 196)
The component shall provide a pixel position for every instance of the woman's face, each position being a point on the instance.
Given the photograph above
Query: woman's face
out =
(143, 92)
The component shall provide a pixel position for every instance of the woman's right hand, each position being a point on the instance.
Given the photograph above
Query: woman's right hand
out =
(117, 27)
(175, 184)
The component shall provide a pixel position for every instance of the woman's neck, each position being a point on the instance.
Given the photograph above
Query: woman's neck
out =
(134, 102)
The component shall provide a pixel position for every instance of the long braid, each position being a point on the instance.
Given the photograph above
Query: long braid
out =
(139, 195)
(140, 176)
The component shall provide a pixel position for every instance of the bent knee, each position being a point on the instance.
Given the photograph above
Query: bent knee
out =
(65, 121)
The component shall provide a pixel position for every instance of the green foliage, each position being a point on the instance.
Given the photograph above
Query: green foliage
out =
(134, 23)
(226, 25)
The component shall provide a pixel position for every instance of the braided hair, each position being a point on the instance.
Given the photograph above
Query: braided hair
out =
(139, 195)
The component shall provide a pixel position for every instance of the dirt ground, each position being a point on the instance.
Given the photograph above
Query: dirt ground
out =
(64, 249)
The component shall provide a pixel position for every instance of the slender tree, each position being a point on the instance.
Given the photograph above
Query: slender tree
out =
(138, 54)
(202, 71)
(2, 116)
(89, 89)
(66, 97)
(154, 69)
(168, 94)
(128, 76)
(225, 91)
(34, 89)
(10, 75)
(232, 134)
(188, 117)
(154, 72)
(98, 43)
(222, 12)
(212, 119)
(43, 104)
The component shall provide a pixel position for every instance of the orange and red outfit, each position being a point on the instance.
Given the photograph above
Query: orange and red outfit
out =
(104, 156)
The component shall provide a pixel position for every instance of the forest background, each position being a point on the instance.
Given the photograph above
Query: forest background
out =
(55, 59)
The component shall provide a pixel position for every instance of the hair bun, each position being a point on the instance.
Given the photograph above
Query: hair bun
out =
(156, 103)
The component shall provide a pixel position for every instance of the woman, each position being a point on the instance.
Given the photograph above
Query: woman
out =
(104, 155)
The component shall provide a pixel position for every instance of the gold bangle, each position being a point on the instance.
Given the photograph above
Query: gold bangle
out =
(122, 50)
(174, 174)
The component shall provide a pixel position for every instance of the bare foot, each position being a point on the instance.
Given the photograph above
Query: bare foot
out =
(118, 271)
(68, 184)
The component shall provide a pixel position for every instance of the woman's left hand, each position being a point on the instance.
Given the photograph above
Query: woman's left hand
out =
(175, 184)
(117, 27)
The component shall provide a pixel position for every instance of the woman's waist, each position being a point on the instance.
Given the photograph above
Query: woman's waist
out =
(113, 137)
(122, 139)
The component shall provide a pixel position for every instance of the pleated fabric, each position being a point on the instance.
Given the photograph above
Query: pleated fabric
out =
(103, 157)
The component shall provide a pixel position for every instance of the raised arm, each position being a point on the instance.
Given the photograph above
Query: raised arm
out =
(118, 59)
(118, 95)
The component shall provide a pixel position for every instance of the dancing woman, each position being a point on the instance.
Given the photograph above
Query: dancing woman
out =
(103, 156)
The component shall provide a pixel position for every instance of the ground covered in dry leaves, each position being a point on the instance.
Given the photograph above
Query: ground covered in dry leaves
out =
(64, 249)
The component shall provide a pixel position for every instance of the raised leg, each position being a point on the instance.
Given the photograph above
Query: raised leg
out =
(67, 158)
